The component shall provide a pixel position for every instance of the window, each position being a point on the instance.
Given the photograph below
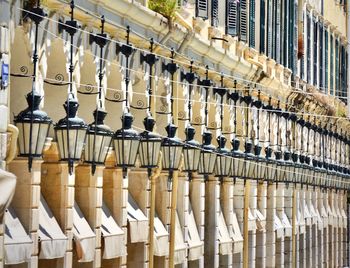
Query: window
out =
(308, 48)
(326, 59)
(315, 51)
(215, 13)
(252, 23)
(337, 85)
(262, 26)
(331, 71)
(202, 9)
(232, 17)
(321, 57)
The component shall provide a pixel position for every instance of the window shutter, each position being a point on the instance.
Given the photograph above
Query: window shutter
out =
(252, 23)
(308, 52)
(202, 9)
(215, 13)
(315, 50)
(232, 17)
(321, 57)
(243, 20)
(262, 27)
(331, 71)
(278, 31)
(294, 24)
(326, 59)
(346, 76)
(269, 43)
(337, 89)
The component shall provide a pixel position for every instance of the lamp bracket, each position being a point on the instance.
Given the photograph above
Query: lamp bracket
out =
(171, 67)
(189, 77)
(100, 39)
(70, 26)
(125, 49)
(149, 58)
(220, 91)
(233, 96)
(36, 14)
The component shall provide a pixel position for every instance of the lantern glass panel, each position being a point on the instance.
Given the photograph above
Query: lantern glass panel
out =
(206, 162)
(149, 152)
(76, 142)
(39, 134)
(223, 166)
(126, 151)
(97, 147)
(171, 156)
(191, 158)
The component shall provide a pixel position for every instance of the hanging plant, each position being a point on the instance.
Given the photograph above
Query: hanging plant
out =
(167, 8)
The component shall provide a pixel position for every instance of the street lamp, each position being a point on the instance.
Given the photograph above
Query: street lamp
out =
(71, 130)
(32, 123)
(207, 157)
(223, 161)
(99, 135)
(126, 140)
(191, 150)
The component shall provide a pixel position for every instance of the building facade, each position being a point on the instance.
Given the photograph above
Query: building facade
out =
(266, 79)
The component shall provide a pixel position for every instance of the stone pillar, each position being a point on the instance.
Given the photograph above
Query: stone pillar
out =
(270, 223)
(57, 187)
(211, 242)
(115, 195)
(139, 188)
(288, 209)
(302, 237)
(197, 196)
(327, 229)
(261, 235)
(182, 207)
(27, 199)
(88, 195)
(252, 234)
(345, 228)
(309, 231)
(279, 213)
(320, 233)
(226, 200)
(238, 204)
(331, 232)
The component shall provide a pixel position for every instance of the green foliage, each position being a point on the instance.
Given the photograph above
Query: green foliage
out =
(165, 7)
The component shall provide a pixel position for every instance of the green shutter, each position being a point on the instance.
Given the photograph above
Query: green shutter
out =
(215, 13)
(321, 56)
(278, 31)
(336, 72)
(262, 27)
(326, 59)
(331, 71)
(243, 20)
(308, 48)
(232, 18)
(252, 23)
(295, 37)
(315, 50)
(202, 9)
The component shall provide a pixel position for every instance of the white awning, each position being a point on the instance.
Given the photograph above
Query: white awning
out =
(324, 216)
(345, 218)
(195, 245)
(53, 243)
(278, 227)
(7, 190)
(236, 235)
(313, 213)
(84, 237)
(223, 235)
(161, 238)
(288, 229)
(251, 221)
(138, 222)
(180, 246)
(307, 215)
(113, 235)
(260, 220)
(17, 243)
(330, 214)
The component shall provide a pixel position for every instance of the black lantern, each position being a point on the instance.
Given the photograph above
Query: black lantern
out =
(126, 143)
(99, 136)
(223, 160)
(98, 140)
(237, 165)
(33, 124)
(207, 157)
(70, 133)
(171, 149)
(250, 164)
(288, 167)
(149, 145)
(191, 151)
(271, 165)
(280, 171)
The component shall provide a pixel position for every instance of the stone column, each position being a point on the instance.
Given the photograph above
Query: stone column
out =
(252, 233)
(309, 231)
(57, 187)
(197, 196)
(182, 207)
(261, 235)
(279, 213)
(27, 199)
(320, 234)
(226, 200)
(302, 237)
(288, 209)
(115, 195)
(327, 229)
(88, 195)
(238, 204)
(211, 242)
(270, 223)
